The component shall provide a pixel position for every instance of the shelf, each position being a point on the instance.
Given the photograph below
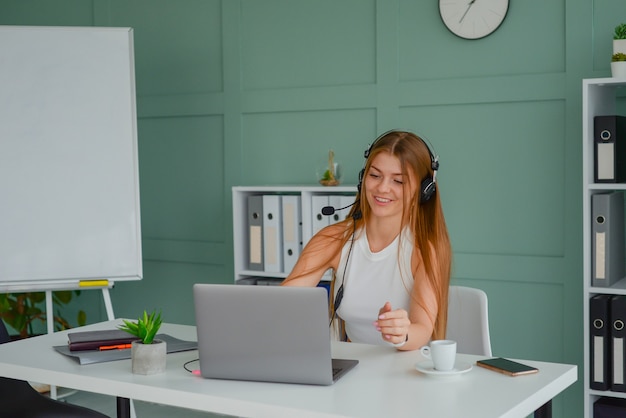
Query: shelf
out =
(296, 189)
(608, 393)
(312, 199)
(606, 186)
(256, 273)
(618, 288)
(606, 82)
(600, 98)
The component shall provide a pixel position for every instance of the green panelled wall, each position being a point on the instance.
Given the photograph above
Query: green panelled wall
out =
(249, 92)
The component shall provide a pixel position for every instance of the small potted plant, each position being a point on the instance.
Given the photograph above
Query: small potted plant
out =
(147, 353)
(618, 65)
(619, 39)
(331, 174)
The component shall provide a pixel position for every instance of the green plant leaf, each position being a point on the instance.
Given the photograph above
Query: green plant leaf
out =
(81, 318)
(145, 328)
(619, 56)
(620, 31)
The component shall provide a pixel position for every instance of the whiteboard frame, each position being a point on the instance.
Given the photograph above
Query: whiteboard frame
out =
(70, 210)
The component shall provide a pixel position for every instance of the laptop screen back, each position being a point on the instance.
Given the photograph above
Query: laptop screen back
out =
(263, 333)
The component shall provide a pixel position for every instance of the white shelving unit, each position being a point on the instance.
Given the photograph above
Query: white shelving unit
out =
(599, 98)
(308, 213)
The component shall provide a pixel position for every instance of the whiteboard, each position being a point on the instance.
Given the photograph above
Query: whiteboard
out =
(69, 182)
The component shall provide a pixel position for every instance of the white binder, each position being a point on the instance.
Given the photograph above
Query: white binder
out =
(272, 234)
(319, 220)
(292, 231)
(338, 202)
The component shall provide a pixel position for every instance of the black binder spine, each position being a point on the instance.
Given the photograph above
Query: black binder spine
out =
(618, 319)
(599, 330)
(610, 149)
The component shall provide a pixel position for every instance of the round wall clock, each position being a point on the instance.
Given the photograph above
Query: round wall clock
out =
(473, 19)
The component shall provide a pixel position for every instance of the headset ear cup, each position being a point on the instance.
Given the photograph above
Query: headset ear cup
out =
(428, 189)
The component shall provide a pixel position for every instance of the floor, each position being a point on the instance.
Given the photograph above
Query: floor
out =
(108, 406)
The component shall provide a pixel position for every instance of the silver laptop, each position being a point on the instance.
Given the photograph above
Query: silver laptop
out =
(265, 333)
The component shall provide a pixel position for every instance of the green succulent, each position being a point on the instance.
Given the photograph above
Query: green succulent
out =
(620, 31)
(145, 328)
(619, 56)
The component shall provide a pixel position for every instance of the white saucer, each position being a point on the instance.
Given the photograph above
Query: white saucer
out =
(428, 368)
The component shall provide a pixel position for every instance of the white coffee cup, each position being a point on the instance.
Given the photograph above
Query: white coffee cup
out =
(442, 353)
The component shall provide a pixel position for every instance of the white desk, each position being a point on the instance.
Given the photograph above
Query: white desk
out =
(385, 383)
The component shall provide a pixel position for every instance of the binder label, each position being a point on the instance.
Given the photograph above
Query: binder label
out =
(598, 361)
(289, 215)
(606, 164)
(271, 245)
(255, 244)
(600, 255)
(618, 361)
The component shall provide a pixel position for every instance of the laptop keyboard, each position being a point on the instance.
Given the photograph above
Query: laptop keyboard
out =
(336, 371)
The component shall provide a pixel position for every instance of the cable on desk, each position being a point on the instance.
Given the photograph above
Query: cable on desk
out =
(193, 371)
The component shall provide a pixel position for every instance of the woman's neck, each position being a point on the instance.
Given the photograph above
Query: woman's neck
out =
(381, 233)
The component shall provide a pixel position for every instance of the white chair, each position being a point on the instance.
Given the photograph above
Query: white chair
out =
(468, 320)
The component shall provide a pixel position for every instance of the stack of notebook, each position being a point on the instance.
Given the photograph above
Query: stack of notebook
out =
(99, 340)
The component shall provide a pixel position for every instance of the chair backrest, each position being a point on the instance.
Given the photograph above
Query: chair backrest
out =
(468, 320)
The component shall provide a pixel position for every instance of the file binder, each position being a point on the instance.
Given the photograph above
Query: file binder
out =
(292, 231)
(609, 134)
(319, 220)
(618, 332)
(609, 408)
(272, 234)
(599, 334)
(340, 201)
(607, 247)
(255, 232)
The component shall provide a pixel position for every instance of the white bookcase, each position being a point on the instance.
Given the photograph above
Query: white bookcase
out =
(599, 97)
(310, 213)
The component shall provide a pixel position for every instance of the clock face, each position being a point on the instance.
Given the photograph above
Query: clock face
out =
(473, 19)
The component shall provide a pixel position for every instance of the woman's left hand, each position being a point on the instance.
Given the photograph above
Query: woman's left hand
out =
(393, 324)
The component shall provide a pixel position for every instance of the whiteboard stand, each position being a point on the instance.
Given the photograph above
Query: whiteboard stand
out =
(106, 296)
(50, 325)
(108, 305)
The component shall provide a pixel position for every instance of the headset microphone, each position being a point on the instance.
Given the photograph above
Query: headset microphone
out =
(329, 210)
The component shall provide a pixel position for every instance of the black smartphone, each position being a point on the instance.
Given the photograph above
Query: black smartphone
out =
(508, 367)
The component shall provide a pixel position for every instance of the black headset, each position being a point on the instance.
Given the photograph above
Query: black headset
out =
(429, 183)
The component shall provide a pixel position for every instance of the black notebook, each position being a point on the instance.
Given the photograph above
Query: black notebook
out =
(93, 340)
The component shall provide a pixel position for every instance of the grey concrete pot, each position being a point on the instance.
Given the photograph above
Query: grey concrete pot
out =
(148, 358)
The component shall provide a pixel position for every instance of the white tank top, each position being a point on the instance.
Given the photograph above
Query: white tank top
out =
(372, 279)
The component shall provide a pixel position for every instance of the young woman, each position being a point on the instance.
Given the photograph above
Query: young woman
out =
(392, 256)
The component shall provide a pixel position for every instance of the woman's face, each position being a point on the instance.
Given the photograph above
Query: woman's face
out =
(384, 186)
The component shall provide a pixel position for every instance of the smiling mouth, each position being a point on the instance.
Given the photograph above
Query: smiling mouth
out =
(381, 200)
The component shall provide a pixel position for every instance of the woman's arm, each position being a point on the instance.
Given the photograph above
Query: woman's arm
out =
(410, 330)
(322, 252)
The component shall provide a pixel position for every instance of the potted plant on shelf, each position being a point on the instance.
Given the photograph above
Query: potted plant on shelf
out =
(619, 39)
(618, 65)
(330, 176)
(147, 353)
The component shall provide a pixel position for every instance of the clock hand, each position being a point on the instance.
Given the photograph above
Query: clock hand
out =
(467, 10)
